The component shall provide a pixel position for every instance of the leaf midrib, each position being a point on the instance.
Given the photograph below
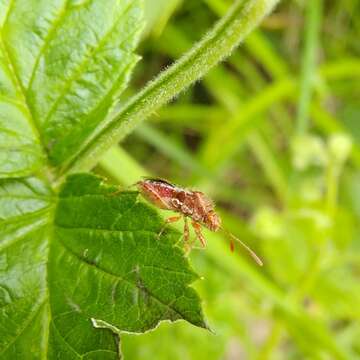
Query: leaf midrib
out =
(20, 90)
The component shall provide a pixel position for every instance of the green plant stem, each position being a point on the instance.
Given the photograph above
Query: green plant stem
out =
(171, 149)
(122, 167)
(342, 68)
(327, 123)
(196, 115)
(332, 180)
(241, 19)
(272, 341)
(282, 89)
(256, 43)
(230, 134)
(215, 81)
(271, 168)
(312, 27)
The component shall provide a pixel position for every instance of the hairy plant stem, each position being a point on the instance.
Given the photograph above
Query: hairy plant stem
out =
(241, 19)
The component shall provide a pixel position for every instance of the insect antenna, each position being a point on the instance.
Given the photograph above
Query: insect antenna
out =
(250, 251)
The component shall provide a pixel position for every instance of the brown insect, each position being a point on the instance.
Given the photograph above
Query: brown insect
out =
(189, 204)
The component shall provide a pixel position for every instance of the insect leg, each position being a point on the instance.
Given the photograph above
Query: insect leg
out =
(186, 230)
(169, 220)
(197, 228)
(187, 244)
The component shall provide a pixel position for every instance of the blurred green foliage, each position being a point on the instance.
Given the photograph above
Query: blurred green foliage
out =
(273, 136)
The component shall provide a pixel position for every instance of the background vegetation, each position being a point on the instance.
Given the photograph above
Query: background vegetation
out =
(273, 136)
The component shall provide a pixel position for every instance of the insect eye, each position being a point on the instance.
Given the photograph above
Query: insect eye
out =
(181, 196)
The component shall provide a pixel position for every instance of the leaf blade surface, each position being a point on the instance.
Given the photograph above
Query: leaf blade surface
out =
(89, 256)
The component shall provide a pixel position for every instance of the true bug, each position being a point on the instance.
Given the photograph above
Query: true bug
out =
(189, 204)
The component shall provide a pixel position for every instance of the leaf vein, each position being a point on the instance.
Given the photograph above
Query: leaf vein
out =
(79, 70)
(167, 270)
(16, 238)
(56, 22)
(34, 197)
(18, 85)
(118, 277)
(20, 219)
(115, 231)
(9, 100)
(100, 350)
(68, 345)
(25, 326)
(6, 18)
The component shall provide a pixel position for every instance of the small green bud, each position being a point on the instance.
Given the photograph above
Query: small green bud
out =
(312, 189)
(340, 147)
(320, 219)
(308, 150)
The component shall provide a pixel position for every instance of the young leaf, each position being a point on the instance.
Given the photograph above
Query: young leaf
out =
(94, 261)
(62, 65)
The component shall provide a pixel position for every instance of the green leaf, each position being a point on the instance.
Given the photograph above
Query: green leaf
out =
(25, 206)
(75, 274)
(20, 148)
(62, 65)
